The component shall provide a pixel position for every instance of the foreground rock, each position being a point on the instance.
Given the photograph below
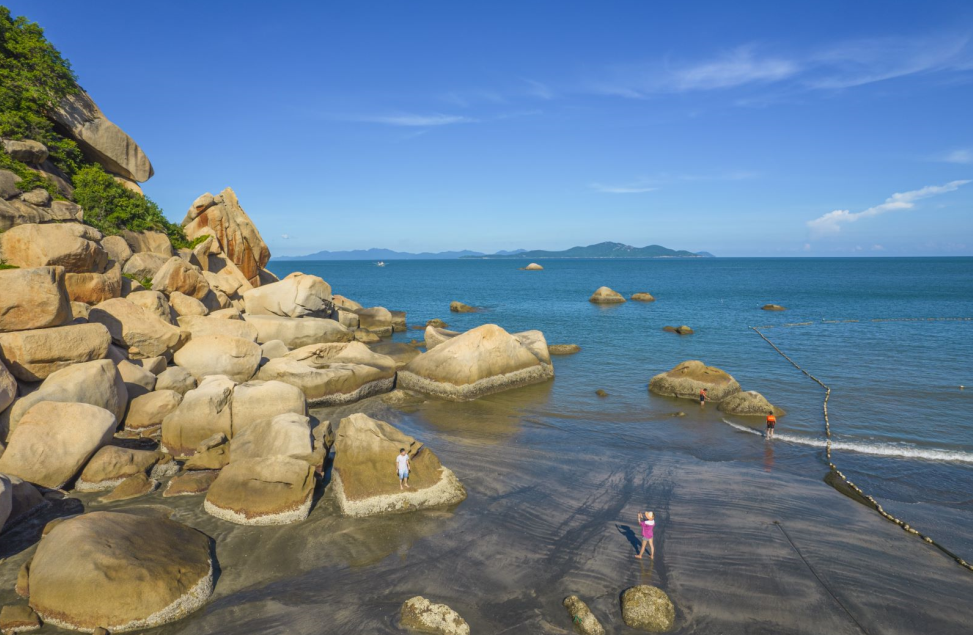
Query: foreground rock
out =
(202, 413)
(648, 608)
(643, 297)
(33, 299)
(459, 307)
(332, 374)
(563, 349)
(223, 217)
(604, 295)
(419, 614)
(34, 355)
(584, 621)
(364, 481)
(749, 404)
(18, 619)
(264, 491)
(119, 571)
(688, 378)
(478, 362)
(286, 434)
(773, 307)
(234, 357)
(297, 295)
(112, 464)
(53, 441)
(142, 332)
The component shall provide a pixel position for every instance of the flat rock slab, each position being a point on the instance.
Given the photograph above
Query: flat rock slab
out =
(266, 491)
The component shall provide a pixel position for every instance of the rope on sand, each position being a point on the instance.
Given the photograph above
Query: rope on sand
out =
(827, 448)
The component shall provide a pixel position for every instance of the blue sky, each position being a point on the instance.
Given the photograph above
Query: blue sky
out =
(760, 128)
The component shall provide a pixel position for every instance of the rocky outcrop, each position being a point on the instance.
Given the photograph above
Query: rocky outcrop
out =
(648, 608)
(604, 295)
(144, 265)
(363, 476)
(202, 326)
(298, 332)
(69, 245)
(92, 288)
(100, 139)
(478, 362)
(458, 307)
(264, 491)
(749, 404)
(583, 620)
(149, 242)
(33, 355)
(681, 330)
(286, 434)
(112, 464)
(119, 571)
(142, 332)
(563, 349)
(419, 614)
(25, 151)
(202, 413)
(256, 401)
(222, 217)
(377, 319)
(178, 275)
(33, 299)
(643, 297)
(688, 378)
(297, 295)
(398, 321)
(434, 337)
(53, 441)
(117, 249)
(234, 357)
(331, 374)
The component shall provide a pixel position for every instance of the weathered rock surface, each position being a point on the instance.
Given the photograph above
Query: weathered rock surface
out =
(398, 321)
(331, 374)
(297, 295)
(366, 337)
(68, 245)
(648, 608)
(92, 288)
(18, 618)
(533, 267)
(234, 357)
(138, 380)
(681, 330)
(643, 297)
(583, 620)
(178, 275)
(112, 464)
(434, 337)
(400, 352)
(563, 349)
(364, 480)
(478, 362)
(156, 303)
(33, 299)
(8, 388)
(144, 265)
(256, 401)
(298, 332)
(419, 614)
(147, 411)
(183, 304)
(190, 483)
(238, 237)
(117, 249)
(688, 378)
(272, 350)
(26, 151)
(458, 307)
(202, 413)
(142, 332)
(53, 441)
(33, 355)
(286, 434)
(377, 319)
(131, 487)
(176, 379)
(120, 571)
(604, 295)
(749, 403)
(19, 500)
(437, 323)
(265, 491)
(200, 326)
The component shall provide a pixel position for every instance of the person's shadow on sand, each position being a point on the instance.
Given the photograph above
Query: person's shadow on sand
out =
(634, 540)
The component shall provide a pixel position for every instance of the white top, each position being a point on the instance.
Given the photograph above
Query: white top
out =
(402, 461)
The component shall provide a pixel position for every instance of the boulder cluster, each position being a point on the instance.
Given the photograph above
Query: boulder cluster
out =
(686, 380)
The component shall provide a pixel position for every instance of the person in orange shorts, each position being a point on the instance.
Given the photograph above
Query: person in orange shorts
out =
(771, 424)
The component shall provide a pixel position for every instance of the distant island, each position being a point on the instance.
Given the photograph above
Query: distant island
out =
(601, 250)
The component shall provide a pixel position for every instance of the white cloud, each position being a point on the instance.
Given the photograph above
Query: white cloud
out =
(962, 156)
(414, 120)
(652, 183)
(285, 236)
(878, 248)
(831, 222)
(621, 189)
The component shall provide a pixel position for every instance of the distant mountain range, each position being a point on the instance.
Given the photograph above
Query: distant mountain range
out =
(601, 250)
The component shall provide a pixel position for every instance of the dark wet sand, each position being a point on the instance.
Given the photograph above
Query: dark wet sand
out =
(739, 549)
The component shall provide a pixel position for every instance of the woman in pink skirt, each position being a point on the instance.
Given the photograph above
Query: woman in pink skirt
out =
(647, 521)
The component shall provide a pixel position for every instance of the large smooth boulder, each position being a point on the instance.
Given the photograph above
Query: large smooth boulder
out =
(297, 295)
(142, 332)
(144, 265)
(120, 572)
(150, 242)
(26, 151)
(176, 379)
(117, 249)
(256, 401)
(146, 412)
(648, 608)
(138, 380)
(112, 464)
(92, 288)
(364, 480)
(238, 237)
(54, 440)
(201, 326)
(100, 139)
(183, 304)
(156, 303)
(604, 295)
(33, 299)
(749, 403)
(68, 245)
(266, 491)
(688, 378)
(286, 434)
(9, 187)
(331, 374)
(434, 337)
(97, 383)
(377, 319)
(34, 355)
(298, 332)
(179, 275)
(234, 357)
(478, 362)
(419, 614)
(202, 413)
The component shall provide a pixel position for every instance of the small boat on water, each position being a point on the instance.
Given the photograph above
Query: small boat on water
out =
(380, 263)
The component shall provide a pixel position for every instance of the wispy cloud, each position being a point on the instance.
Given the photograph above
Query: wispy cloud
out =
(413, 120)
(831, 222)
(962, 156)
(621, 189)
(285, 236)
(652, 183)
(538, 89)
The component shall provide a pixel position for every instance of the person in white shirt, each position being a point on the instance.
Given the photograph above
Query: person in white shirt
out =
(402, 467)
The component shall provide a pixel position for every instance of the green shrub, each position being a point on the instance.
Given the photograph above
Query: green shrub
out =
(28, 178)
(4, 265)
(145, 282)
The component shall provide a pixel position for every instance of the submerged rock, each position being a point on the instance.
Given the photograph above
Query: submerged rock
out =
(604, 295)
(583, 620)
(773, 307)
(643, 297)
(681, 330)
(400, 352)
(688, 378)
(478, 362)
(264, 491)
(120, 571)
(563, 349)
(601, 393)
(419, 614)
(533, 267)
(436, 322)
(647, 608)
(749, 403)
(459, 307)
(363, 476)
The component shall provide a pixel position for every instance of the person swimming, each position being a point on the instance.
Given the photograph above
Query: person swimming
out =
(647, 522)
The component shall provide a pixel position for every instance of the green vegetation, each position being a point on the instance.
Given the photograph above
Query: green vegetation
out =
(145, 282)
(34, 78)
(4, 265)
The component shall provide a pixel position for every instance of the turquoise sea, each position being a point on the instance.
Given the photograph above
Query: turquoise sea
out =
(903, 427)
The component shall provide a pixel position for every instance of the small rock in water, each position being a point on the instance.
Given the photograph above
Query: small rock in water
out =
(604, 295)
(459, 307)
(421, 615)
(436, 323)
(533, 267)
(678, 414)
(647, 608)
(584, 621)
(601, 393)
(563, 349)
(18, 618)
(190, 483)
(773, 307)
(643, 297)
(132, 487)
